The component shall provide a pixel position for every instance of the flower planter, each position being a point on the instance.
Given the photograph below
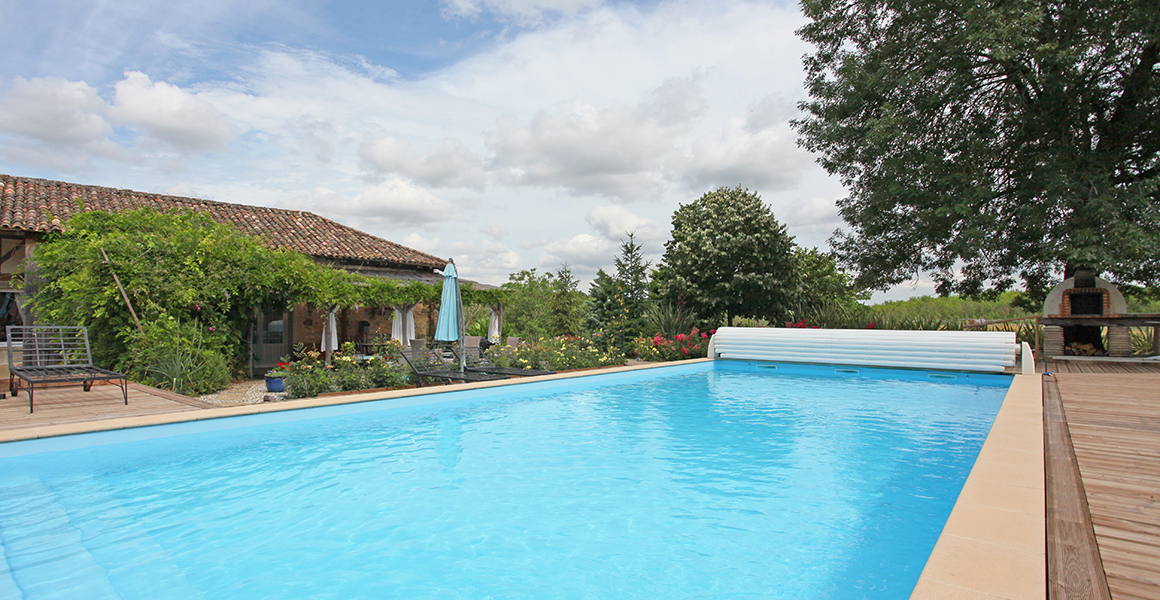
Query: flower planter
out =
(275, 384)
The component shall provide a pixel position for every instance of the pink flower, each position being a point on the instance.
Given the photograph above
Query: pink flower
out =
(211, 328)
(704, 336)
(685, 350)
(680, 337)
(872, 326)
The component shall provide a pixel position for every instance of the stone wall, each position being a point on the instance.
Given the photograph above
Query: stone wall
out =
(309, 321)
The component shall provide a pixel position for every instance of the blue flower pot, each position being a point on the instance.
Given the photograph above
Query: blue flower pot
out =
(275, 384)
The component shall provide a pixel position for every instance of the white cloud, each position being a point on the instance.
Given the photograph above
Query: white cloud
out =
(522, 11)
(494, 229)
(56, 123)
(485, 261)
(179, 189)
(582, 250)
(814, 211)
(613, 151)
(397, 203)
(418, 242)
(55, 111)
(169, 114)
(615, 222)
(449, 165)
(758, 151)
(315, 136)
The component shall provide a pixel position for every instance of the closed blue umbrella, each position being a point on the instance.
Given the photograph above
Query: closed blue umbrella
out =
(449, 328)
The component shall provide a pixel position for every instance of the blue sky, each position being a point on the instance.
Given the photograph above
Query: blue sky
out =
(508, 134)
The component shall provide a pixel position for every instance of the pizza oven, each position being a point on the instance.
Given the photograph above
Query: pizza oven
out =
(1087, 297)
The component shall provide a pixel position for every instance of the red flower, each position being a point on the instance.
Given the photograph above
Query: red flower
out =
(712, 332)
(685, 350)
(704, 336)
(680, 337)
(872, 326)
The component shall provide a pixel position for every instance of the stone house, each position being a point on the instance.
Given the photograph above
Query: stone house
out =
(32, 208)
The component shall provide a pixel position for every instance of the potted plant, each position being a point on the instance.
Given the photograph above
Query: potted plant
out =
(275, 378)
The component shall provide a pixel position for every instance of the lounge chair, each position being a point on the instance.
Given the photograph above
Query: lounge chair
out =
(50, 356)
(429, 363)
(478, 362)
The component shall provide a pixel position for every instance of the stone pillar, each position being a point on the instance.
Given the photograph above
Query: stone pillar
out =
(1052, 341)
(1119, 341)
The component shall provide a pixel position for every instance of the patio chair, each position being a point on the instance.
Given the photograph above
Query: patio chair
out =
(429, 363)
(39, 355)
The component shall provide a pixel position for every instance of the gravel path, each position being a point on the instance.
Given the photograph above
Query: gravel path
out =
(244, 392)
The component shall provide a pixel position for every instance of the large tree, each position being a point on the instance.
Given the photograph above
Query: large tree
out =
(985, 141)
(728, 257)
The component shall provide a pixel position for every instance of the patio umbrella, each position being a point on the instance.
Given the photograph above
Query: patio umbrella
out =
(449, 328)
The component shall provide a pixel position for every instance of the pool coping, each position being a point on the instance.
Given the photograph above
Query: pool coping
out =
(993, 545)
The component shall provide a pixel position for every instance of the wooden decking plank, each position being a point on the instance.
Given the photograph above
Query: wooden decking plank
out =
(1074, 567)
(1142, 528)
(1125, 532)
(1114, 425)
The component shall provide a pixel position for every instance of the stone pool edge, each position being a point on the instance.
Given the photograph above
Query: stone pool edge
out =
(994, 543)
(50, 431)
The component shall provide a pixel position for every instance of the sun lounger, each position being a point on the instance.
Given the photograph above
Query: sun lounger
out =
(40, 355)
(429, 363)
(480, 363)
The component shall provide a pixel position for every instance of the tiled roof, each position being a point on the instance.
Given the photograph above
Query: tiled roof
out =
(43, 206)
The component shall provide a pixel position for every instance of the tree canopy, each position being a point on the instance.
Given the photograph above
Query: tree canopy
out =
(728, 256)
(823, 282)
(985, 142)
(543, 305)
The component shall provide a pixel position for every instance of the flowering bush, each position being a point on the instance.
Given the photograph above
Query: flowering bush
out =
(557, 354)
(694, 344)
(283, 369)
(310, 375)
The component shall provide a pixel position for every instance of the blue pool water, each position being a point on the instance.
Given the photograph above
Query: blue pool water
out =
(712, 480)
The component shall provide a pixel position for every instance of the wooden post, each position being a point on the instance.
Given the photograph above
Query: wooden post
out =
(123, 294)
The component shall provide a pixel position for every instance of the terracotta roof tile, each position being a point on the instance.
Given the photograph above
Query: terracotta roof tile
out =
(43, 206)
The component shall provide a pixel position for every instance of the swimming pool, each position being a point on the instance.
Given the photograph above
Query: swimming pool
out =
(714, 480)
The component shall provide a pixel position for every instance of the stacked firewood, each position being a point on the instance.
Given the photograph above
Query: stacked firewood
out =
(1078, 349)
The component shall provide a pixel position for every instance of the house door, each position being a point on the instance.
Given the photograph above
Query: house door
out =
(271, 339)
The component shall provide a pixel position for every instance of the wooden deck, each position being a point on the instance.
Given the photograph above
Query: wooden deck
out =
(1112, 415)
(71, 404)
(1101, 366)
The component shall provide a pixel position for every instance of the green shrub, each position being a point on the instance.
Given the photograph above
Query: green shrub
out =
(669, 319)
(749, 322)
(182, 358)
